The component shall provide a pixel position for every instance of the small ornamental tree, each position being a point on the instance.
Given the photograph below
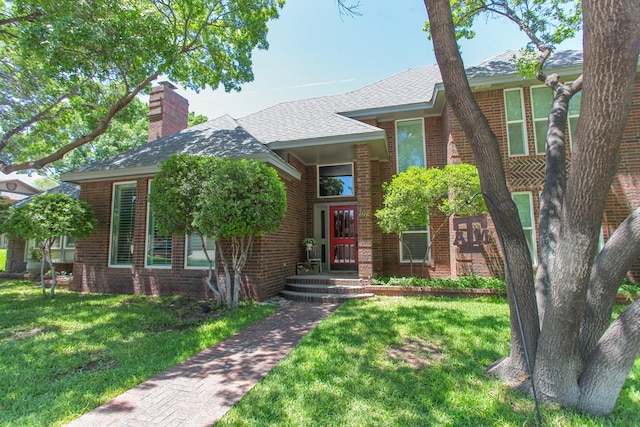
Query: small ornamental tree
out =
(47, 217)
(174, 200)
(219, 198)
(241, 200)
(410, 195)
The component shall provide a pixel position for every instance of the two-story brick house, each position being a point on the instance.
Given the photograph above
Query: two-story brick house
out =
(333, 154)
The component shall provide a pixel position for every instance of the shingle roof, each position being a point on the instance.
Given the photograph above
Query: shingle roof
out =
(67, 188)
(503, 64)
(315, 119)
(219, 137)
(325, 116)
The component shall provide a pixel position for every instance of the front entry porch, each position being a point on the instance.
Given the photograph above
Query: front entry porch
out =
(334, 287)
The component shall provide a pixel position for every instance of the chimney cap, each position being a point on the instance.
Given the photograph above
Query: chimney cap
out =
(168, 84)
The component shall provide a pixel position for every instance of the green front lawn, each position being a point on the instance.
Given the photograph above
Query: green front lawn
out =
(3, 259)
(406, 362)
(62, 357)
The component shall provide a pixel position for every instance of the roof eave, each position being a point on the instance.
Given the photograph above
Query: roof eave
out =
(327, 140)
(381, 111)
(140, 171)
(503, 79)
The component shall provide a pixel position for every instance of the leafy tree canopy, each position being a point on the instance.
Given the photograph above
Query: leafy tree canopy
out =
(241, 198)
(47, 217)
(546, 24)
(176, 191)
(411, 194)
(69, 67)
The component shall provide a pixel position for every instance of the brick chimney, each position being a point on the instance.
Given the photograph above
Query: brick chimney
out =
(168, 111)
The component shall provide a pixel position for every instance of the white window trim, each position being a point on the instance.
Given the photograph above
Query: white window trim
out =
(147, 239)
(533, 117)
(523, 121)
(424, 147)
(57, 248)
(113, 201)
(570, 117)
(196, 267)
(534, 239)
(353, 179)
(419, 260)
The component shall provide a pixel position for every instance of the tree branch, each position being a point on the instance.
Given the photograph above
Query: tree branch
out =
(42, 115)
(99, 130)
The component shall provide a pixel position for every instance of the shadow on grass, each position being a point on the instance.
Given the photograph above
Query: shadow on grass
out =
(64, 356)
(342, 375)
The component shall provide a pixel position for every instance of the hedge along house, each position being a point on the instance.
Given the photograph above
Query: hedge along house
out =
(333, 154)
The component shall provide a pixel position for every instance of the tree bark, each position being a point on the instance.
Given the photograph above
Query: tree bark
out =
(610, 362)
(609, 269)
(553, 192)
(611, 45)
(493, 183)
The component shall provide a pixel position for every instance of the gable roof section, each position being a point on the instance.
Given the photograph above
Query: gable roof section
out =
(414, 90)
(308, 126)
(219, 137)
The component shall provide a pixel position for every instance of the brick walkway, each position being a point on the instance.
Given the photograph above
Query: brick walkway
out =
(199, 391)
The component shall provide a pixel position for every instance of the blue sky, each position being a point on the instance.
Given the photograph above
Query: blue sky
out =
(315, 52)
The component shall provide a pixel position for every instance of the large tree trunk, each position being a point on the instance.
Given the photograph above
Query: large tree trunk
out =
(555, 180)
(493, 182)
(611, 44)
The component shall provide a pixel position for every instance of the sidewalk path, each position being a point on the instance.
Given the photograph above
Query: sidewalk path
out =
(199, 391)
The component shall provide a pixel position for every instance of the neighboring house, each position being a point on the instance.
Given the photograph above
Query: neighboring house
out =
(63, 248)
(14, 187)
(333, 154)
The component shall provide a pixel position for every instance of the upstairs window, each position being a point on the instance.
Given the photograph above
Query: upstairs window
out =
(123, 215)
(574, 114)
(410, 145)
(335, 180)
(516, 128)
(541, 101)
(410, 150)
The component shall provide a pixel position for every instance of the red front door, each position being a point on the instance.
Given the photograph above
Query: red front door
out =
(343, 241)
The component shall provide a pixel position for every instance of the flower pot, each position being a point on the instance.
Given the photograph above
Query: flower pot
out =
(34, 267)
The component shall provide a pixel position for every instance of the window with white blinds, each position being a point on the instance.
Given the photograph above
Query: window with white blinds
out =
(122, 224)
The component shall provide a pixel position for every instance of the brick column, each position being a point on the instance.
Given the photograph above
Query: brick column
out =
(365, 212)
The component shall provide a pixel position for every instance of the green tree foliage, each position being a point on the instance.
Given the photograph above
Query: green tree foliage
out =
(47, 217)
(174, 198)
(70, 67)
(231, 201)
(411, 196)
(546, 23)
(196, 119)
(127, 130)
(241, 200)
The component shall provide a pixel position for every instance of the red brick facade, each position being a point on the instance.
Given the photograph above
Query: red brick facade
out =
(276, 256)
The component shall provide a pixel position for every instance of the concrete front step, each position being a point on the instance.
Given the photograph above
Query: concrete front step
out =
(322, 297)
(320, 288)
